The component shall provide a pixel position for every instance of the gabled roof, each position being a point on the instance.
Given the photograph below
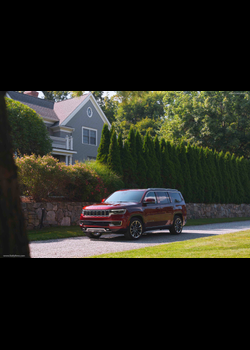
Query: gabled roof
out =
(61, 112)
(65, 108)
(44, 108)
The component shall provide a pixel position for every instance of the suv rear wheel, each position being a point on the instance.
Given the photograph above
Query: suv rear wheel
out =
(177, 226)
(135, 229)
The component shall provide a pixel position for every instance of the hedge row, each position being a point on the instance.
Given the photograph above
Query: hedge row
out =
(42, 177)
(202, 175)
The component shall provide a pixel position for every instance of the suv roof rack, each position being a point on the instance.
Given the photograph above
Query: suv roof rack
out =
(162, 189)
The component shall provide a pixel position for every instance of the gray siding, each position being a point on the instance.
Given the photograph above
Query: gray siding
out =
(80, 120)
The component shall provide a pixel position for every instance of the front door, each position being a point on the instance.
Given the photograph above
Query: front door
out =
(152, 211)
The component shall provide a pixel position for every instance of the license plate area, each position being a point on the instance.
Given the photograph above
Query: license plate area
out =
(95, 230)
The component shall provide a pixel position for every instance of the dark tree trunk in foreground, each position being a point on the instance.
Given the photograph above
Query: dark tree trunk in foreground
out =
(13, 237)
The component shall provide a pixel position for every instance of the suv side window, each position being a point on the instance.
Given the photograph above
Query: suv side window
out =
(150, 195)
(176, 198)
(163, 197)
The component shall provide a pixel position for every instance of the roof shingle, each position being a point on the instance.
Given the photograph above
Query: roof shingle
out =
(56, 111)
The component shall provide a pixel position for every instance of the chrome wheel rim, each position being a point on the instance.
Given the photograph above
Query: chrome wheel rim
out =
(136, 229)
(178, 225)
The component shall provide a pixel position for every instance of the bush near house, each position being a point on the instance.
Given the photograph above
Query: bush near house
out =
(28, 132)
(41, 177)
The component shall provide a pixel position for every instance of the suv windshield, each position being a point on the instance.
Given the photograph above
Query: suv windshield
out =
(125, 196)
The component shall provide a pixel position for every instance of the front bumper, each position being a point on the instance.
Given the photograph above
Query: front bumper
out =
(103, 224)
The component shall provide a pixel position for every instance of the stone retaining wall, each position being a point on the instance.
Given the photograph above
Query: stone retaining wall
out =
(56, 214)
(211, 211)
(68, 214)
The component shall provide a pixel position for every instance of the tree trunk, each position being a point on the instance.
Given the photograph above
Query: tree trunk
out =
(13, 237)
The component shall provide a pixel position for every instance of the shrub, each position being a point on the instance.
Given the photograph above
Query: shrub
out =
(41, 177)
(28, 132)
(112, 182)
(83, 184)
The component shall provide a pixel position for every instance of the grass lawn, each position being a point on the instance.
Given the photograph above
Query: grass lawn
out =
(196, 222)
(234, 245)
(55, 233)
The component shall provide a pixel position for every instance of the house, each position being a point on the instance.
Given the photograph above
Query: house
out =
(75, 125)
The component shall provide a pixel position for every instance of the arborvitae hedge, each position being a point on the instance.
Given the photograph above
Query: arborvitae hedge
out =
(202, 175)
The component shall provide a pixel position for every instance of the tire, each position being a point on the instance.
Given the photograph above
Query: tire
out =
(177, 226)
(135, 229)
(93, 235)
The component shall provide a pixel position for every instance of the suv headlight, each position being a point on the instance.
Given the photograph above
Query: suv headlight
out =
(118, 211)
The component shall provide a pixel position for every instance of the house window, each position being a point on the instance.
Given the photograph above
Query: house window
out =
(89, 112)
(89, 136)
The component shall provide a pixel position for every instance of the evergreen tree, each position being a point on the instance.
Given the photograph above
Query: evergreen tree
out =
(215, 190)
(193, 172)
(158, 158)
(238, 184)
(132, 143)
(132, 149)
(245, 180)
(200, 177)
(128, 171)
(153, 175)
(103, 150)
(114, 158)
(187, 191)
(173, 156)
(207, 177)
(141, 166)
(225, 176)
(168, 169)
(120, 144)
(231, 179)
(219, 177)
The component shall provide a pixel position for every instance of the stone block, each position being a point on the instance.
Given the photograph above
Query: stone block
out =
(59, 215)
(51, 218)
(49, 206)
(66, 221)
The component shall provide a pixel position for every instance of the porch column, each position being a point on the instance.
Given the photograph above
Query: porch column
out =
(67, 142)
(67, 160)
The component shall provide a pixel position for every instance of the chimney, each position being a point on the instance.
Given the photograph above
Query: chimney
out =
(32, 93)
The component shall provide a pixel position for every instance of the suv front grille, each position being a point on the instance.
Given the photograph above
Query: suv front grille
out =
(100, 213)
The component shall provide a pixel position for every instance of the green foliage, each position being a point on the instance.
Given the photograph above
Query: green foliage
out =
(41, 177)
(187, 188)
(141, 165)
(215, 119)
(112, 182)
(103, 149)
(168, 173)
(114, 158)
(143, 109)
(154, 173)
(28, 131)
(127, 165)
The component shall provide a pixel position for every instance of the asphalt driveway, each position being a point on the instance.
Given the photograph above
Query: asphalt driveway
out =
(84, 247)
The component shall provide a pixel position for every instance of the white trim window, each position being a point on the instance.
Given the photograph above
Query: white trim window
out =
(89, 136)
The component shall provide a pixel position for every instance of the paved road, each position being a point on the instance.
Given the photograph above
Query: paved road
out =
(83, 246)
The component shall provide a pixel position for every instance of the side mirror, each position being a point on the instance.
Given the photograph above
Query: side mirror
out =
(149, 201)
(103, 200)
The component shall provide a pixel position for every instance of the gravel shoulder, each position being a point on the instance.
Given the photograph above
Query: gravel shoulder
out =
(84, 247)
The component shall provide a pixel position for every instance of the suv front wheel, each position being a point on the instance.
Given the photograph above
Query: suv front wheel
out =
(135, 229)
(177, 226)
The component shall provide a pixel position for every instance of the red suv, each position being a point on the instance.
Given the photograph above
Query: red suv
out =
(133, 212)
